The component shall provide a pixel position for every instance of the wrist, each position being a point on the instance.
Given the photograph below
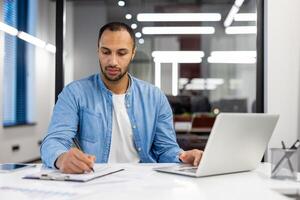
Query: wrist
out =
(179, 155)
(57, 162)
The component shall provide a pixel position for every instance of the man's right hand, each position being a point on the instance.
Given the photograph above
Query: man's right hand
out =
(75, 162)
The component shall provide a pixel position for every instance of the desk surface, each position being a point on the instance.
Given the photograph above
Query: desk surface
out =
(139, 181)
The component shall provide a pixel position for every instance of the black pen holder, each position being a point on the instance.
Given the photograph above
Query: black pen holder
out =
(284, 163)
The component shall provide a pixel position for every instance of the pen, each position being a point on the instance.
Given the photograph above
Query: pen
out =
(76, 143)
(295, 145)
(283, 145)
(286, 155)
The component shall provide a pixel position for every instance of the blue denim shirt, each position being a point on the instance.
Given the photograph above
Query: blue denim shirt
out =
(84, 109)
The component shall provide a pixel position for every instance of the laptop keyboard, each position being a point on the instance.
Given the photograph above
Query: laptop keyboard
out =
(189, 169)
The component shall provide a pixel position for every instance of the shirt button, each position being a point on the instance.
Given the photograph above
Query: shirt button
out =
(128, 105)
(139, 149)
(133, 126)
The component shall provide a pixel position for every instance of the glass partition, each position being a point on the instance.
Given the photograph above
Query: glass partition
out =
(202, 54)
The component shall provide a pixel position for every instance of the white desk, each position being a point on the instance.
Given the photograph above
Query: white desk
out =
(139, 181)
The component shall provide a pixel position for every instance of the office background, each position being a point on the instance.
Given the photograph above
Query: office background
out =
(83, 20)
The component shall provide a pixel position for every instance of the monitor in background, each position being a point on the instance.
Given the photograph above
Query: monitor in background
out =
(200, 104)
(180, 104)
(233, 105)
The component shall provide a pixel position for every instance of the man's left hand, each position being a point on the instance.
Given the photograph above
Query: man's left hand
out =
(191, 157)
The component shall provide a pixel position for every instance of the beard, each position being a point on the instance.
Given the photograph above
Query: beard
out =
(113, 78)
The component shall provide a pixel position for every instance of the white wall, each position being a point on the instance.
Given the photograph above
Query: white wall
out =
(282, 57)
(69, 44)
(89, 16)
(27, 137)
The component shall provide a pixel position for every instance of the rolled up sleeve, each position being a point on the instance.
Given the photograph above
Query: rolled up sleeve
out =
(165, 145)
(63, 127)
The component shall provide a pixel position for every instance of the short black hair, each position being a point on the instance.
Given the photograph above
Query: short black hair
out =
(117, 26)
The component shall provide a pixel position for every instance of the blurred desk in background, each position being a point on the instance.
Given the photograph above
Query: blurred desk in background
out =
(192, 131)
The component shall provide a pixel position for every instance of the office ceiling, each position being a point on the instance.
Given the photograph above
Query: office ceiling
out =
(117, 13)
(137, 2)
(143, 2)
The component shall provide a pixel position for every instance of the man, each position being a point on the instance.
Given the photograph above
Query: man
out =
(116, 117)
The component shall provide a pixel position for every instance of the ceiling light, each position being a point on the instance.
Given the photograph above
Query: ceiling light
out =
(141, 41)
(233, 54)
(138, 35)
(177, 53)
(233, 11)
(8, 29)
(178, 60)
(232, 60)
(31, 39)
(242, 57)
(121, 3)
(27, 37)
(178, 17)
(178, 56)
(241, 30)
(133, 26)
(208, 81)
(191, 86)
(183, 81)
(245, 17)
(164, 30)
(51, 48)
(128, 16)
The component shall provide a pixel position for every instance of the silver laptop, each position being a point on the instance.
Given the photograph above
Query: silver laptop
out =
(237, 143)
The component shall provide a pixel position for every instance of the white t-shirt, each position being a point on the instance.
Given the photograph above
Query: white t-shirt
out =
(122, 148)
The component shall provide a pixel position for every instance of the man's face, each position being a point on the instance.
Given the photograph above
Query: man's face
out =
(115, 53)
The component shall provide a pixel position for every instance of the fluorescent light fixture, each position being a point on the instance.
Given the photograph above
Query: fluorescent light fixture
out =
(245, 17)
(138, 35)
(51, 48)
(175, 79)
(174, 57)
(178, 17)
(238, 57)
(8, 29)
(192, 86)
(128, 16)
(216, 81)
(121, 3)
(233, 54)
(233, 60)
(233, 11)
(141, 41)
(183, 81)
(31, 39)
(178, 56)
(169, 30)
(27, 37)
(178, 53)
(178, 60)
(133, 26)
(208, 81)
(241, 30)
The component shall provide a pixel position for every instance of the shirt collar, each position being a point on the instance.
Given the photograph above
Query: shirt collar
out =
(104, 88)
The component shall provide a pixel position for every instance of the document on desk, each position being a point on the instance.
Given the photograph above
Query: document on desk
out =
(56, 175)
